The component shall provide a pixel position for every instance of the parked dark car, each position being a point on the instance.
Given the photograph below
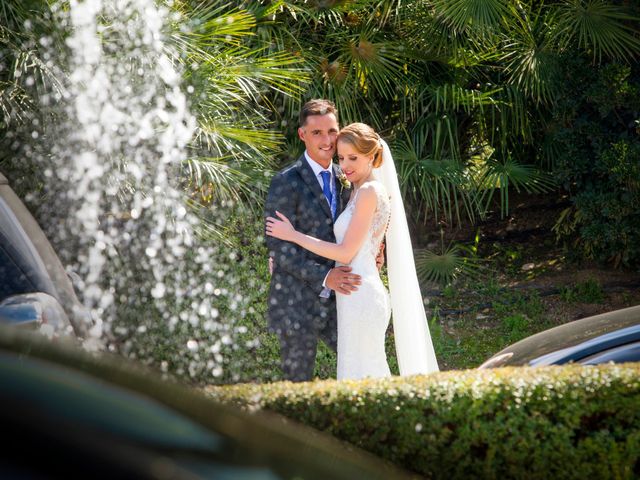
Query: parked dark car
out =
(35, 289)
(67, 414)
(609, 337)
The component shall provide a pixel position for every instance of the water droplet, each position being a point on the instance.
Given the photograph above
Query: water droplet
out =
(158, 291)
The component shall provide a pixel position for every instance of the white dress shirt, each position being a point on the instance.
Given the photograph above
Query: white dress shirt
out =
(317, 170)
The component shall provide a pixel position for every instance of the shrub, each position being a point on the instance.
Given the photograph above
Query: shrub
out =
(554, 422)
(595, 133)
(589, 291)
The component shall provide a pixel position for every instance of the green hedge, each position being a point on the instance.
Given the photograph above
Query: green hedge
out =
(554, 422)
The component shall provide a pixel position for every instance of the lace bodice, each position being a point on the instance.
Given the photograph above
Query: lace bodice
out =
(377, 230)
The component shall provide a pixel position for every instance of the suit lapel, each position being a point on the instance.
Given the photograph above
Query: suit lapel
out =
(305, 171)
(343, 192)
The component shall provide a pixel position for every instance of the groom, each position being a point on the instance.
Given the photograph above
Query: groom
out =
(302, 306)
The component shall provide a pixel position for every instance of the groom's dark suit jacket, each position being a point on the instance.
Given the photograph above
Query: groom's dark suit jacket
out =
(296, 283)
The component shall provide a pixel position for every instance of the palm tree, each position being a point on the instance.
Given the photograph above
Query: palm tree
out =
(500, 82)
(231, 76)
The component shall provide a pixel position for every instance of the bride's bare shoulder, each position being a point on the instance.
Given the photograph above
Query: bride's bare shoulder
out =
(375, 186)
(367, 189)
(373, 191)
(366, 194)
(372, 184)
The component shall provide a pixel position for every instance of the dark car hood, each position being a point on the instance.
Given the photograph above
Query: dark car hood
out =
(105, 415)
(572, 341)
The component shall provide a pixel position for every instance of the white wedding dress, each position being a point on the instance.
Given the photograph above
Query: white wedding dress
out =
(363, 316)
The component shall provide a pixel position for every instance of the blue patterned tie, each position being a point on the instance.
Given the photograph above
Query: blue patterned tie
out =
(326, 189)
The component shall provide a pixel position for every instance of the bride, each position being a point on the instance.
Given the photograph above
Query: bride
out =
(375, 211)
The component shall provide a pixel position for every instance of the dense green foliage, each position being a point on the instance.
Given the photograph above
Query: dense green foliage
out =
(431, 81)
(232, 147)
(477, 99)
(561, 422)
(596, 132)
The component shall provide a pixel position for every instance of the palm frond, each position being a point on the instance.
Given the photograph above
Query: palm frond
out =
(438, 185)
(13, 13)
(501, 175)
(217, 181)
(233, 76)
(509, 116)
(279, 71)
(438, 135)
(600, 26)
(529, 57)
(29, 63)
(14, 104)
(379, 66)
(474, 15)
(450, 97)
(217, 130)
(310, 15)
(210, 24)
(213, 45)
(454, 262)
(241, 74)
(26, 74)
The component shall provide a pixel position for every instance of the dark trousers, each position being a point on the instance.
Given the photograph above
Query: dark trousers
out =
(298, 348)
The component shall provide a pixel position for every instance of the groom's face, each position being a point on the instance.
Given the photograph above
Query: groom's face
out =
(319, 135)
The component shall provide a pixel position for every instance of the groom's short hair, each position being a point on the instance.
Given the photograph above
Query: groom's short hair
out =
(317, 106)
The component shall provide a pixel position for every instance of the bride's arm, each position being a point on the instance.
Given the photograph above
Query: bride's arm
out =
(344, 252)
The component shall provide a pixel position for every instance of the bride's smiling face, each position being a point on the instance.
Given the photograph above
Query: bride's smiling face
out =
(354, 164)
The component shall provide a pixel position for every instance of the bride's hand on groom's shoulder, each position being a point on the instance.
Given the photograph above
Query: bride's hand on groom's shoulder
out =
(280, 228)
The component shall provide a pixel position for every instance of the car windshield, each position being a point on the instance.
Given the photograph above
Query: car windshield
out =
(21, 268)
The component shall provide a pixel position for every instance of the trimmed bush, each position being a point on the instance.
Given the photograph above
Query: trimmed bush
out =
(553, 422)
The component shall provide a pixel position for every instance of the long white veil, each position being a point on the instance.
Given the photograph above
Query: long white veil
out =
(414, 347)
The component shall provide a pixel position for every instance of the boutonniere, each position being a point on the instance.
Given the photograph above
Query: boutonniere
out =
(343, 181)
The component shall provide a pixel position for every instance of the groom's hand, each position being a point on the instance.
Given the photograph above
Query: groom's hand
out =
(342, 280)
(380, 257)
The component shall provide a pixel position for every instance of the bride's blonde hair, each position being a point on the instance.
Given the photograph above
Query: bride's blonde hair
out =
(364, 139)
